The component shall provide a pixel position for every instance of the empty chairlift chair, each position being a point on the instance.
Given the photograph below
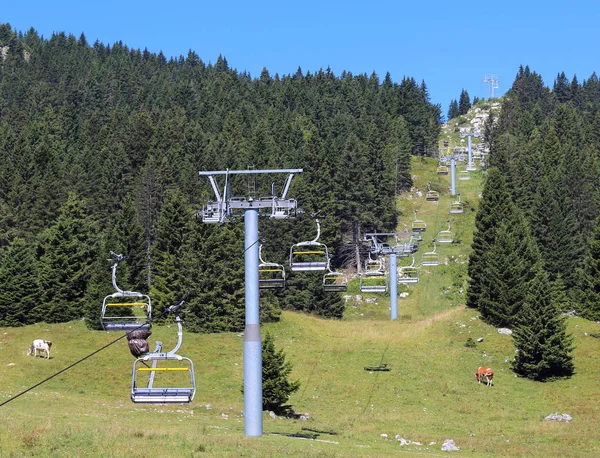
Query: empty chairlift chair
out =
(374, 280)
(442, 168)
(464, 175)
(270, 274)
(456, 206)
(430, 258)
(418, 225)
(431, 194)
(409, 274)
(334, 282)
(309, 256)
(164, 378)
(125, 310)
(445, 236)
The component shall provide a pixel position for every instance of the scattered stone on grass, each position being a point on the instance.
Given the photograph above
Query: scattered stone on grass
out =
(559, 417)
(449, 446)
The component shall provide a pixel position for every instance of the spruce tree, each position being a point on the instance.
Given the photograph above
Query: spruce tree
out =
(464, 103)
(509, 267)
(68, 249)
(588, 276)
(172, 230)
(495, 207)
(276, 386)
(544, 349)
(18, 277)
(453, 110)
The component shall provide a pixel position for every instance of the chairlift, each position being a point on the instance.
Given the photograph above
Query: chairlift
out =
(431, 194)
(442, 169)
(309, 256)
(456, 206)
(445, 236)
(430, 258)
(471, 166)
(136, 307)
(409, 274)
(335, 282)
(179, 370)
(374, 281)
(418, 225)
(373, 265)
(464, 175)
(270, 274)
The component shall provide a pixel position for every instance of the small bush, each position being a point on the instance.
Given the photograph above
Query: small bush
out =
(470, 343)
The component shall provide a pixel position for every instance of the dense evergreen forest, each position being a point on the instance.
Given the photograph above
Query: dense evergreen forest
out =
(536, 250)
(100, 148)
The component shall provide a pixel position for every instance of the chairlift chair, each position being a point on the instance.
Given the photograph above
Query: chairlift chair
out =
(374, 281)
(418, 225)
(270, 274)
(431, 195)
(464, 175)
(456, 206)
(309, 256)
(373, 265)
(137, 307)
(335, 282)
(442, 169)
(179, 370)
(409, 274)
(445, 236)
(430, 258)
(471, 167)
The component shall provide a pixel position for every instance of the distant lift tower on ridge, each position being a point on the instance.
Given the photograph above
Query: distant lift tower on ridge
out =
(492, 81)
(221, 210)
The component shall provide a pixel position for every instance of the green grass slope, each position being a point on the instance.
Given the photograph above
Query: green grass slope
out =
(429, 395)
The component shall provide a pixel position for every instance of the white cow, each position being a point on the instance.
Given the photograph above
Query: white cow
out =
(41, 346)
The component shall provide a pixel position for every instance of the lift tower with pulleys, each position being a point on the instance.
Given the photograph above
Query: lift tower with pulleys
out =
(221, 210)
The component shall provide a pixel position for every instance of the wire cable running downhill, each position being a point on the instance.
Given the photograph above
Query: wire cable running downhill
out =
(169, 309)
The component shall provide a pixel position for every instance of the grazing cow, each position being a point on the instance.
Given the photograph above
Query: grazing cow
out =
(41, 346)
(484, 374)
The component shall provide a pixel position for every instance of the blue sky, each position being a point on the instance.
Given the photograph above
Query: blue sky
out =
(450, 45)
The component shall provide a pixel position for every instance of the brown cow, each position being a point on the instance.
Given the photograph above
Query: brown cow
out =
(484, 373)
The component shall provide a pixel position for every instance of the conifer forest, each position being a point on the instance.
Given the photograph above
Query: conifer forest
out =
(101, 145)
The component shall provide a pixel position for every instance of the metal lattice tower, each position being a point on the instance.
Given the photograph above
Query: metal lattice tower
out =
(492, 81)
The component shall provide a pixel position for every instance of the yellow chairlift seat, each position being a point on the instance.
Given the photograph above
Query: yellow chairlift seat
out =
(418, 225)
(309, 256)
(270, 274)
(374, 282)
(464, 175)
(409, 274)
(176, 382)
(456, 206)
(445, 236)
(430, 258)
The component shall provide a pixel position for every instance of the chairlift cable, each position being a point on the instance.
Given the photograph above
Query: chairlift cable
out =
(169, 309)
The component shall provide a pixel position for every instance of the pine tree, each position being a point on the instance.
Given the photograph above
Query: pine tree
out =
(544, 349)
(276, 387)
